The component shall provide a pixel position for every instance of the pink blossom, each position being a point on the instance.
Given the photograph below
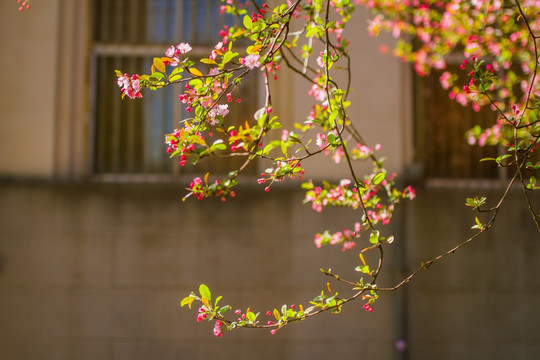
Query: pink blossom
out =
(320, 60)
(347, 245)
(251, 61)
(318, 241)
(338, 155)
(130, 85)
(171, 52)
(183, 48)
(217, 329)
(445, 80)
(222, 110)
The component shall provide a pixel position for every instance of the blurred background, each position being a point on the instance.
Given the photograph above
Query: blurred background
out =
(97, 249)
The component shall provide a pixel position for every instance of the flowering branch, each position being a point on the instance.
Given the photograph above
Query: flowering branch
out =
(491, 37)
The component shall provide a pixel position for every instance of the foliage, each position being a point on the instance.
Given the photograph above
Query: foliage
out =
(496, 41)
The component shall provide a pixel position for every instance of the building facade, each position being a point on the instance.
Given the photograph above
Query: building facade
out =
(97, 250)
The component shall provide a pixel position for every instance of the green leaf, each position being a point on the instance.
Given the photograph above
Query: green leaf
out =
(364, 269)
(377, 179)
(478, 225)
(229, 55)
(208, 61)
(314, 31)
(218, 147)
(188, 300)
(332, 118)
(177, 70)
(175, 77)
(284, 148)
(374, 237)
(307, 186)
(156, 76)
(268, 148)
(205, 292)
(331, 138)
(501, 158)
(261, 120)
(247, 22)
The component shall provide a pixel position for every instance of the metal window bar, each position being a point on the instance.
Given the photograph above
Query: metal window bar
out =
(127, 34)
(440, 142)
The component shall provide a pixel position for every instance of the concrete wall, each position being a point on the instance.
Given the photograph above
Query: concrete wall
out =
(98, 272)
(90, 271)
(482, 301)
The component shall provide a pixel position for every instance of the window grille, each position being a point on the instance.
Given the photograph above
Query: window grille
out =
(441, 123)
(128, 135)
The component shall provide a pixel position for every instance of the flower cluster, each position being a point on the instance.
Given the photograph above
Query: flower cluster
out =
(282, 170)
(216, 112)
(24, 5)
(217, 329)
(480, 29)
(174, 53)
(483, 29)
(130, 85)
(201, 188)
(344, 238)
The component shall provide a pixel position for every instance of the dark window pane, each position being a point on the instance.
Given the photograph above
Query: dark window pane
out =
(441, 123)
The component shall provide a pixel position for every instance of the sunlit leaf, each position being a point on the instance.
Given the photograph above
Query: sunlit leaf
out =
(194, 71)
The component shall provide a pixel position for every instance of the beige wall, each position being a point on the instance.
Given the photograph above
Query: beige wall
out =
(45, 128)
(98, 271)
(28, 59)
(381, 101)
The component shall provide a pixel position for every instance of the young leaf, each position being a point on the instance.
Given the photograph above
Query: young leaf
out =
(188, 300)
(195, 72)
(159, 65)
(307, 186)
(229, 55)
(205, 292)
(205, 302)
(277, 314)
(362, 258)
(374, 237)
(377, 179)
(284, 148)
(208, 61)
(217, 301)
(247, 22)
(332, 118)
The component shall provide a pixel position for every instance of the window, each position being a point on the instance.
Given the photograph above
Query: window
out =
(128, 135)
(441, 146)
